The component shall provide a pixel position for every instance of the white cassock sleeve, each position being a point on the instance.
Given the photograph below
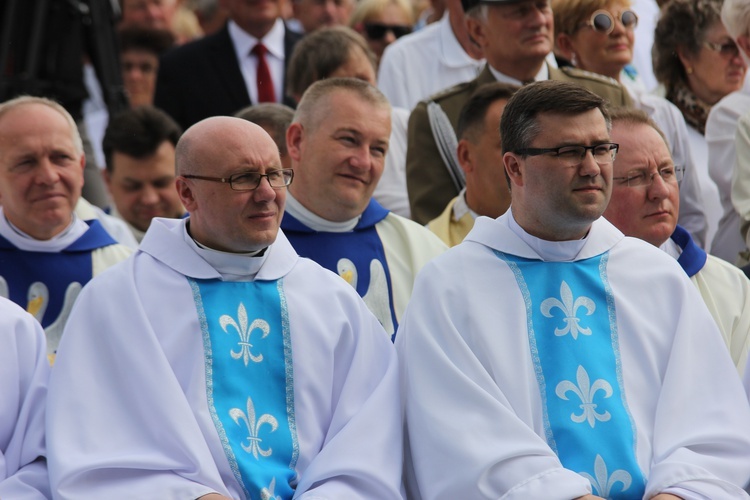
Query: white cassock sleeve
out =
(24, 370)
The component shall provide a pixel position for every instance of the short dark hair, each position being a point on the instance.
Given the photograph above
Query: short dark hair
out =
(518, 125)
(321, 53)
(138, 132)
(471, 119)
(156, 41)
(274, 116)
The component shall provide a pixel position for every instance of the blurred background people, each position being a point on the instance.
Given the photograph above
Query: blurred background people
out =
(725, 160)
(382, 22)
(311, 15)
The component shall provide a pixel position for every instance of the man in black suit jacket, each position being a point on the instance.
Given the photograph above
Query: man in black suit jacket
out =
(203, 78)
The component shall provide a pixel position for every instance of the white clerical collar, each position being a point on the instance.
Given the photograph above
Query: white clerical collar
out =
(671, 248)
(502, 77)
(231, 266)
(59, 242)
(315, 222)
(461, 208)
(557, 251)
(244, 41)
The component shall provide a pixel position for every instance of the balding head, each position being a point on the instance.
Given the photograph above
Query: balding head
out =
(221, 216)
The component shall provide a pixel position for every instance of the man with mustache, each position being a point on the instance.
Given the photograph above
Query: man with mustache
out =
(338, 141)
(645, 204)
(549, 356)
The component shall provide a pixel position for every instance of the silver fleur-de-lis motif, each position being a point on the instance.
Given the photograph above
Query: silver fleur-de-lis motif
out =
(603, 483)
(245, 332)
(586, 392)
(267, 493)
(570, 308)
(253, 428)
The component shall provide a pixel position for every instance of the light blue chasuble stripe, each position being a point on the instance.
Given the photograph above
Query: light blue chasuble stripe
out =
(249, 381)
(572, 333)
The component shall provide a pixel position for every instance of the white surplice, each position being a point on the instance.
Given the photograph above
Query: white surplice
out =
(128, 412)
(474, 413)
(23, 388)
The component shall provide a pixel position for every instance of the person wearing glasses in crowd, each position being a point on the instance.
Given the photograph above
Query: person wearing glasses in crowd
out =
(338, 142)
(557, 350)
(382, 22)
(698, 63)
(598, 36)
(516, 37)
(728, 159)
(228, 366)
(645, 204)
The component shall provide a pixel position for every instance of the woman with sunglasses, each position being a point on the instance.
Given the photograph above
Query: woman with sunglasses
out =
(598, 36)
(382, 22)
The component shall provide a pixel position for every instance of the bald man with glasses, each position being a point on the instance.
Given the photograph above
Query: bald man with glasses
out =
(217, 363)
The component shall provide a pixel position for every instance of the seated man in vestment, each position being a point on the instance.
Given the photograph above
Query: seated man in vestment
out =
(23, 386)
(645, 204)
(47, 252)
(338, 143)
(216, 363)
(480, 157)
(550, 356)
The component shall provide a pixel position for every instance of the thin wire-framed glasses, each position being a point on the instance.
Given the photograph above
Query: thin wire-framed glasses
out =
(248, 181)
(727, 50)
(603, 21)
(636, 178)
(571, 156)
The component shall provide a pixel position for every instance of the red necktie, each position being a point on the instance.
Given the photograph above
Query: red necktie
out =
(265, 82)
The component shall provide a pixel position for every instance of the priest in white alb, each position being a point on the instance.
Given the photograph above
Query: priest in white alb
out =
(549, 356)
(216, 363)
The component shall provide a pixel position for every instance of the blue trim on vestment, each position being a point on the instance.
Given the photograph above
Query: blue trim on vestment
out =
(573, 338)
(250, 382)
(693, 258)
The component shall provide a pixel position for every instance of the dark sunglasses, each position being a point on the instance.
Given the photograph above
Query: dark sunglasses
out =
(604, 22)
(376, 31)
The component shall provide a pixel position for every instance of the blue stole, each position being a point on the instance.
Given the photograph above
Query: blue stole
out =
(354, 256)
(693, 258)
(572, 332)
(40, 281)
(249, 381)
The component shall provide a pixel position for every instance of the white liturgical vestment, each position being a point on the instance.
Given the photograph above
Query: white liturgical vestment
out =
(135, 406)
(24, 370)
(487, 413)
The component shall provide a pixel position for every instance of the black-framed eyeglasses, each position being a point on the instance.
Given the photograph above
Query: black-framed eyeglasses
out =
(247, 181)
(635, 178)
(727, 50)
(571, 156)
(376, 31)
(604, 22)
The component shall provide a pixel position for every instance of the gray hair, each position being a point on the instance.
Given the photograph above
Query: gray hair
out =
(308, 108)
(25, 100)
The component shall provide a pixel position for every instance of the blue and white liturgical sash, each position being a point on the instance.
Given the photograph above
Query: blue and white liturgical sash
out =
(572, 331)
(249, 381)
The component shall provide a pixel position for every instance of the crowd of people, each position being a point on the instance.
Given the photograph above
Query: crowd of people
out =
(376, 249)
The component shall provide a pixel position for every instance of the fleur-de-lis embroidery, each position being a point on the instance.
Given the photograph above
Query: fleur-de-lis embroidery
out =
(586, 393)
(267, 493)
(569, 307)
(253, 428)
(245, 332)
(603, 483)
